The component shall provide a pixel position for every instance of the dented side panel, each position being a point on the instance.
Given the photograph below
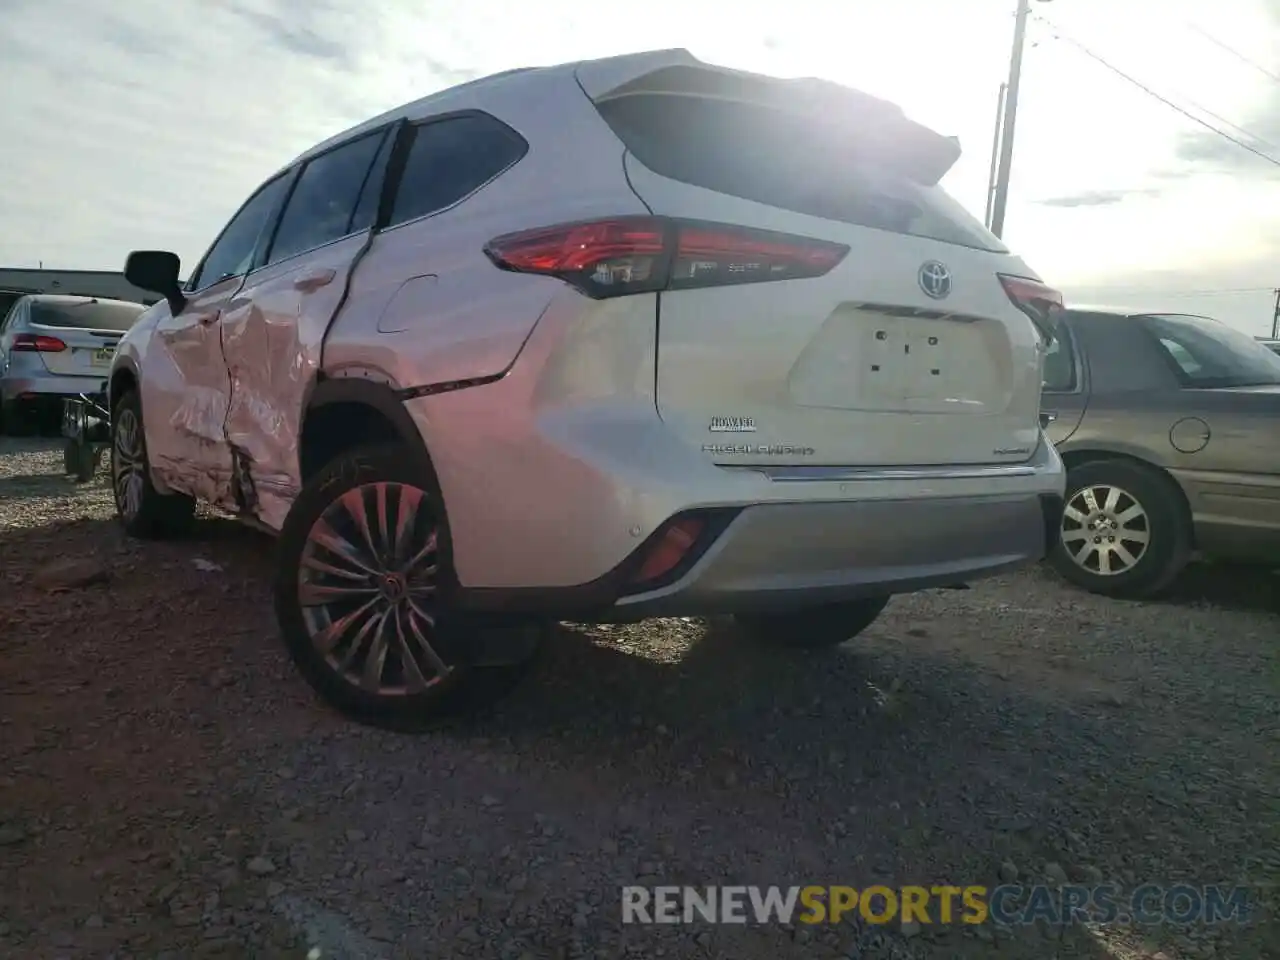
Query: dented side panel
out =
(185, 388)
(273, 336)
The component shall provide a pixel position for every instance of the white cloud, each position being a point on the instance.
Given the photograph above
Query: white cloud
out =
(145, 124)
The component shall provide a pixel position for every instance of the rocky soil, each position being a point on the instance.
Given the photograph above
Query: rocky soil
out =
(170, 788)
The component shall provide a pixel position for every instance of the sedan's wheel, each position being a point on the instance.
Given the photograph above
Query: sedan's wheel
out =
(17, 420)
(1124, 530)
(361, 596)
(143, 510)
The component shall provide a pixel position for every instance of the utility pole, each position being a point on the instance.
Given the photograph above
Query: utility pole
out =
(995, 154)
(1275, 318)
(1001, 197)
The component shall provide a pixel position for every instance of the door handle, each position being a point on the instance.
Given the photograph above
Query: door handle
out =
(314, 281)
(1047, 417)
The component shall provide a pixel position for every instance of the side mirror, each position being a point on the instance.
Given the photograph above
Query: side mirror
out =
(157, 271)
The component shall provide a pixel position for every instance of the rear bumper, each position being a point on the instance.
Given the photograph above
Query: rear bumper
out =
(779, 556)
(48, 389)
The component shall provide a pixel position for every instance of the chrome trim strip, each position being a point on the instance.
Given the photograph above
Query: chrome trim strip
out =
(818, 474)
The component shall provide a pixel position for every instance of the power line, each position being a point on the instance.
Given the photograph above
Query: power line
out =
(1058, 35)
(1165, 294)
(1233, 51)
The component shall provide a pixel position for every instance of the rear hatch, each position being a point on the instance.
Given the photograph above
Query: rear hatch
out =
(86, 329)
(910, 350)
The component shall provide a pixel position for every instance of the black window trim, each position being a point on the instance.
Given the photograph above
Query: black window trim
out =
(261, 258)
(273, 215)
(1068, 337)
(400, 157)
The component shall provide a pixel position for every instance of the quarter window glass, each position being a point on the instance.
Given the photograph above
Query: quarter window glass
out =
(232, 252)
(321, 206)
(449, 159)
(1060, 364)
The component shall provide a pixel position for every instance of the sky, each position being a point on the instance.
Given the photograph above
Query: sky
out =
(145, 123)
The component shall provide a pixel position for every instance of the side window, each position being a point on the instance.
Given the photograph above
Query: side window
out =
(232, 253)
(324, 198)
(1182, 357)
(449, 159)
(1060, 364)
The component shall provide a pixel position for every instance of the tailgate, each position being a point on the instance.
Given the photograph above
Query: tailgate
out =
(908, 352)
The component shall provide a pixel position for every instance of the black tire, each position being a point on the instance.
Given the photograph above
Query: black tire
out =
(1166, 525)
(18, 420)
(152, 515)
(484, 662)
(815, 628)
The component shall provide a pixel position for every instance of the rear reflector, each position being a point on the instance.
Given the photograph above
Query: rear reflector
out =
(669, 549)
(610, 258)
(30, 343)
(1040, 302)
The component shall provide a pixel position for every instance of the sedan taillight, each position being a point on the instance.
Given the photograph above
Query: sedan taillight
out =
(31, 343)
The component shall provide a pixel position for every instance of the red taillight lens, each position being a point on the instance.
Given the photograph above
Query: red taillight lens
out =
(1037, 300)
(30, 343)
(609, 258)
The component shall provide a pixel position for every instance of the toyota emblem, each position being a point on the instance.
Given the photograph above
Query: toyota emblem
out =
(935, 280)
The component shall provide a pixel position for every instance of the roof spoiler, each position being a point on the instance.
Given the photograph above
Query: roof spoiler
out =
(874, 127)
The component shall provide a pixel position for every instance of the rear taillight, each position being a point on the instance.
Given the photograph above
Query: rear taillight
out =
(609, 258)
(30, 343)
(1037, 300)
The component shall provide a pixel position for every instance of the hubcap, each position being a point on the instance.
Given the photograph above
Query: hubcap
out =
(1105, 530)
(367, 587)
(126, 463)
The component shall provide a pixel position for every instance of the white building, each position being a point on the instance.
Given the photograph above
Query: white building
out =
(87, 283)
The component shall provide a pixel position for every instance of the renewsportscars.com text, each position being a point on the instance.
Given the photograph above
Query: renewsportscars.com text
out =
(1010, 905)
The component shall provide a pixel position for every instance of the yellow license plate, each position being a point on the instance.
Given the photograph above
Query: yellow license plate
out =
(102, 356)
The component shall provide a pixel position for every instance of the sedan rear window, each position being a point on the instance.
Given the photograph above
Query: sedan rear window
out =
(86, 314)
(1206, 353)
(787, 160)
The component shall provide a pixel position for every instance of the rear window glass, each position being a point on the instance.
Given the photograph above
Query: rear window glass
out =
(86, 314)
(789, 161)
(1206, 353)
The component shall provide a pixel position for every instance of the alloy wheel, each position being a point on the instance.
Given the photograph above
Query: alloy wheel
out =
(1105, 530)
(127, 477)
(367, 586)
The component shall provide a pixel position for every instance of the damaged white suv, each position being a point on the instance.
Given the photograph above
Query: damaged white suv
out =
(618, 339)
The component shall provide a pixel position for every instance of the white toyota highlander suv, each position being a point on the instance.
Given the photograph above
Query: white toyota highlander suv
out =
(618, 339)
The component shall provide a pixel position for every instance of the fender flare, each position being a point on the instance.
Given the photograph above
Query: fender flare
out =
(382, 397)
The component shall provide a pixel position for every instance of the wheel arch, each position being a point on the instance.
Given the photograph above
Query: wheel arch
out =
(1078, 457)
(343, 413)
(123, 379)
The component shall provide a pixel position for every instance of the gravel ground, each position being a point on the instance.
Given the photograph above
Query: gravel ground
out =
(170, 788)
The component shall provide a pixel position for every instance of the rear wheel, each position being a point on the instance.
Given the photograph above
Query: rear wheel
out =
(17, 419)
(363, 574)
(143, 510)
(817, 627)
(1124, 531)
